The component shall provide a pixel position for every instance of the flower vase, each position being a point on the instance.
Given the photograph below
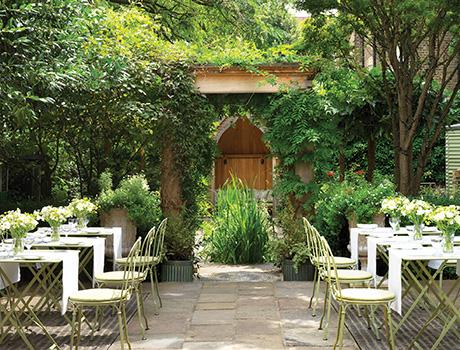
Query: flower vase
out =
(395, 223)
(82, 222)
(55, 233)
(448, 240)
(418, 231)
(18, 246)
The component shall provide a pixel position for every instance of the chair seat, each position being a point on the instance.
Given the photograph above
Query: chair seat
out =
(149, 260)
(119, 276)
(365, 295)
(351, 275)
(98, 295)
(340, 261)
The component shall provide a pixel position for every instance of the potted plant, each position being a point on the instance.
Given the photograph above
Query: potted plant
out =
(288, 247)
(178, 265)
(17, 224)
(131, 206)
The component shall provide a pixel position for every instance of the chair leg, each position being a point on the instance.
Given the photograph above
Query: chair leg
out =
(156, 286)
(72, 332)
(79, 317)
(140, 314)
(120, 325)
(143, 312)
(326, 294)
(314, 287)
(315, 302)
(341, 324)
(125, 322)
(389, 326)
(328, 315)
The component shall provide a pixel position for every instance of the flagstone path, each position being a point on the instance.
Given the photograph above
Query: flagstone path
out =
(233, 315)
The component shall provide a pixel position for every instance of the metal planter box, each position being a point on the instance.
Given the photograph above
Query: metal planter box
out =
(177, 271)
(305, 273)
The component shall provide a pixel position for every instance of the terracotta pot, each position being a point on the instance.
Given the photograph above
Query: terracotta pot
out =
(118, 217)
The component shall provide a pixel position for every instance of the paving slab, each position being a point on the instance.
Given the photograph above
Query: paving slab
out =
(235, 315)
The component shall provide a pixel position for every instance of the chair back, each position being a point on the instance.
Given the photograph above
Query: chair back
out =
(307, 227)
(315, 248)
(329, 267)
(131, 267)
(157, 249)
(146, 249)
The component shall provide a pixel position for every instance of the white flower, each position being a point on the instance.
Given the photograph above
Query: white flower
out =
(54, 216)
(82, 207)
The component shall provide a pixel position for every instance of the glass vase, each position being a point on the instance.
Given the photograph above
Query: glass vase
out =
(395, 223)
(82, 223)
(55, 233)
(418, 231)
(18, 245)
(448, 240)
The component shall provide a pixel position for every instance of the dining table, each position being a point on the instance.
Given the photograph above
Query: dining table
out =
(415, 270)
(90, 249)
(421, 267)
(115, 234)
(54, 277)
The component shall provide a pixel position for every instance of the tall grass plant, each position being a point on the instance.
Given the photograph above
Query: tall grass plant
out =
(238, 230)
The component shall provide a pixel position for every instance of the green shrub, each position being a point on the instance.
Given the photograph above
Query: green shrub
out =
(354, 198)
(291, 242)
(238, 231)
(439, 196)
(134, 195)
(179, 239)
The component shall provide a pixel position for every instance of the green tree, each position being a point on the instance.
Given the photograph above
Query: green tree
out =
(417, 45)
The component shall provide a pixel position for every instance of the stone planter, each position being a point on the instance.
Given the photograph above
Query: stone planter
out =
(118, 217)
(176, 271)
(305, 273)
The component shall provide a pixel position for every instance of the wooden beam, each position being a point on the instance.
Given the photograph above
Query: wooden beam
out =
(236, 80)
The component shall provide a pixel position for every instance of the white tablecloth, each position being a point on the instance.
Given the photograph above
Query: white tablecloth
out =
(69, 260)
(396, 256)
(12, 271)
(115, 232)
(396, 242)
(355, 232)
(96, 243)
(377, 232)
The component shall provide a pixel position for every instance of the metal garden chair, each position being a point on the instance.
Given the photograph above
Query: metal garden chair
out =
(317, 261)
(354, 296)
(116, 279)
(345, 276)
(100, 297)
(151, 259)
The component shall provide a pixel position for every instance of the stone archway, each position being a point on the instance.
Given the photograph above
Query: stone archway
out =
(243, 154)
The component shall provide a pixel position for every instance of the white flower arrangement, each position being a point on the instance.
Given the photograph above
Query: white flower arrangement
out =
(417, 210)
(393, 205)
(17, 223)
(446, 217)
(81, 208)
(54, 216)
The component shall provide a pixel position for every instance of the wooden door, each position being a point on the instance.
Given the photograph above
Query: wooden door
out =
(255, 170)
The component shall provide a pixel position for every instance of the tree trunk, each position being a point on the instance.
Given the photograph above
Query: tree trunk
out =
(405, 167)
(171, 185)
(371, 145)
(405, 92)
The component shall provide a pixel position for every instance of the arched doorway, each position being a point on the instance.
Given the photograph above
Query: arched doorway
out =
(243, 154)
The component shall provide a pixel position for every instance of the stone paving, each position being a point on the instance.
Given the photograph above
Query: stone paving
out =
(234, 315)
